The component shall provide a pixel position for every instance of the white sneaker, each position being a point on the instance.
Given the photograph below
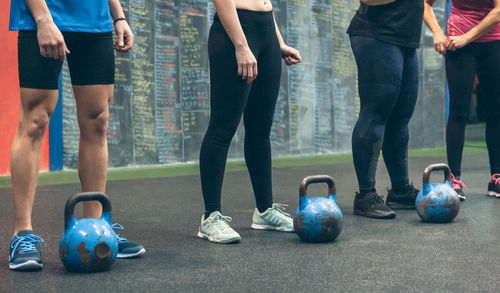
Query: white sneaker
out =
(216, 229)
(274, 218)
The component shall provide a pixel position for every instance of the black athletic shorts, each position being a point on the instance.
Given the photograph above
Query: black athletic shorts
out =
(91, 60)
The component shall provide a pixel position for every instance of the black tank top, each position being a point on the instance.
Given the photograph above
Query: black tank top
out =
(399, 22)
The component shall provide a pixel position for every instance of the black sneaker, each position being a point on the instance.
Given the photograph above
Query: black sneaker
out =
(25, 252)
(402, 201)
(372, 205)
(127, 249)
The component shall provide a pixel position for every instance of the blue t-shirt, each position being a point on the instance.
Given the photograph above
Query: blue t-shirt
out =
(90, 16)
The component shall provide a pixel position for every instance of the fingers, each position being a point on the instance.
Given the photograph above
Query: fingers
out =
(120, 39)
(255, 71)
(129, 41)
(250, 73)
(244, 73)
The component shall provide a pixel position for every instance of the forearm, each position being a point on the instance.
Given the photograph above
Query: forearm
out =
(115, 8)
(278, 33)
(430, 18)
(226, 10)
(39, 10)
(491, 20)
(376, 2)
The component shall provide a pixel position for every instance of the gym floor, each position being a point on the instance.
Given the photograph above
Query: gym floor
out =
(398, 255)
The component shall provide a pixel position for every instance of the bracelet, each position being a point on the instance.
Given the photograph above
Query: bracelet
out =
(118, 19)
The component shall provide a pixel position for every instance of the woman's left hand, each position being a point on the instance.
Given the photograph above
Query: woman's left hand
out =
(125, 36)
(290, 55)
(457, 42)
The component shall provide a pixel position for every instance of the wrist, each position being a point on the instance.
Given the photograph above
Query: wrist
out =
(240, 45)
(119, 19)
(45, 19)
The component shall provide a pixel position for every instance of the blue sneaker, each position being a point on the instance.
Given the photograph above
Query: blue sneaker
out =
(127, 249)
(25, 252)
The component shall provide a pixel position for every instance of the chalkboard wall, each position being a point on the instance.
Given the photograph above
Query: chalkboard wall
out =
(160, 108)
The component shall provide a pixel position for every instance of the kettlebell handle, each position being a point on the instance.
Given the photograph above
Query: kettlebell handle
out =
(317, 179)
(436, 167)
(69, 209)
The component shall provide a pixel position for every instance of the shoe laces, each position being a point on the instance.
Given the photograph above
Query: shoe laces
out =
(377, 199)
(495, 178)
(28, 243)
(456, 184)
(280, 209)
(221, 221)
(117, 226)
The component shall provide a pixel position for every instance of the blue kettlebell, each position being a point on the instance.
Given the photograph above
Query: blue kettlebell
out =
(88, 244)
(437, 202)
(318, 219)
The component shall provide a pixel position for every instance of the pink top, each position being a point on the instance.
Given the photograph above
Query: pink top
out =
(466, 14)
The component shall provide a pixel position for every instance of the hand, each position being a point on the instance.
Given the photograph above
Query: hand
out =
(125, 36)
(290, 55)
(51, 41)
(457, 42)
(247, 64)
(441, 42)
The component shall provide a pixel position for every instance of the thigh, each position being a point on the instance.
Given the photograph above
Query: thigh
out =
(488, 72)
(460, 72)
(403, 110)
(92, 102)
(380, 71)
(228, 92)
(35, 71)
(261, 104)
(92, 59)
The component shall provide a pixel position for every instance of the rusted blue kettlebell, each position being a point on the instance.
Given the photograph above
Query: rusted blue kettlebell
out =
(437, 202)
(88, 244)
(318, 219)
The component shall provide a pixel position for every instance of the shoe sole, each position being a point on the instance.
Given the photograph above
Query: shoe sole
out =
(374, 215)
(399, 206)
(274, 228)
(225, 241)
(131, 255)
(30, 265)
(493, 194)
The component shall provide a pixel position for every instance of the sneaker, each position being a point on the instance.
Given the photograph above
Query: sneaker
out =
(494, 186)
(458, 186)
(372, 205)
(127, 249)
(274, 218)
(25, 252)
(216, 229)
(402, 201)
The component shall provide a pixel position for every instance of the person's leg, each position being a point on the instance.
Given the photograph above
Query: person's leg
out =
(380, 70)
(395, 145)
(460, 72)
(489, 78)
(258, 119)
(91, 66)
(35, 110)
(92, 114)
(38, 79)
(228, 97)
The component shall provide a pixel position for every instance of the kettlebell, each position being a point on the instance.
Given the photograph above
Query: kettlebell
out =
(88, 244)
(437, 202)
(318, 219)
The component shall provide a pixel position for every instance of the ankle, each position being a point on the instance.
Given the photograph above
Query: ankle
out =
(363, 191)
(401, 189)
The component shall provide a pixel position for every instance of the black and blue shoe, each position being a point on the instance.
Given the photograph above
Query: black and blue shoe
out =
(127, 249)
(25, 252)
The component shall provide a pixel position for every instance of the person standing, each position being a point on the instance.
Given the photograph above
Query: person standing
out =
(471, 47)
(384, 37)
(49, 32)
(245, 49)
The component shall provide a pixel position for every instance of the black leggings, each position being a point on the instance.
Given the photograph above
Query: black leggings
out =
(461, 68)
(231, 97)
(388, 88)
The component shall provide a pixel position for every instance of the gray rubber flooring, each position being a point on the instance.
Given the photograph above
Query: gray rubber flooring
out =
(399, 255)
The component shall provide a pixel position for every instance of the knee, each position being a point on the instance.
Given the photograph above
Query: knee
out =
(220, 136)
(459, 116)
(95, 125)
(36, 125)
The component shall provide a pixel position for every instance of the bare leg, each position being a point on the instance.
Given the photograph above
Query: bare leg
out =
(92, 112)
(35, 110)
